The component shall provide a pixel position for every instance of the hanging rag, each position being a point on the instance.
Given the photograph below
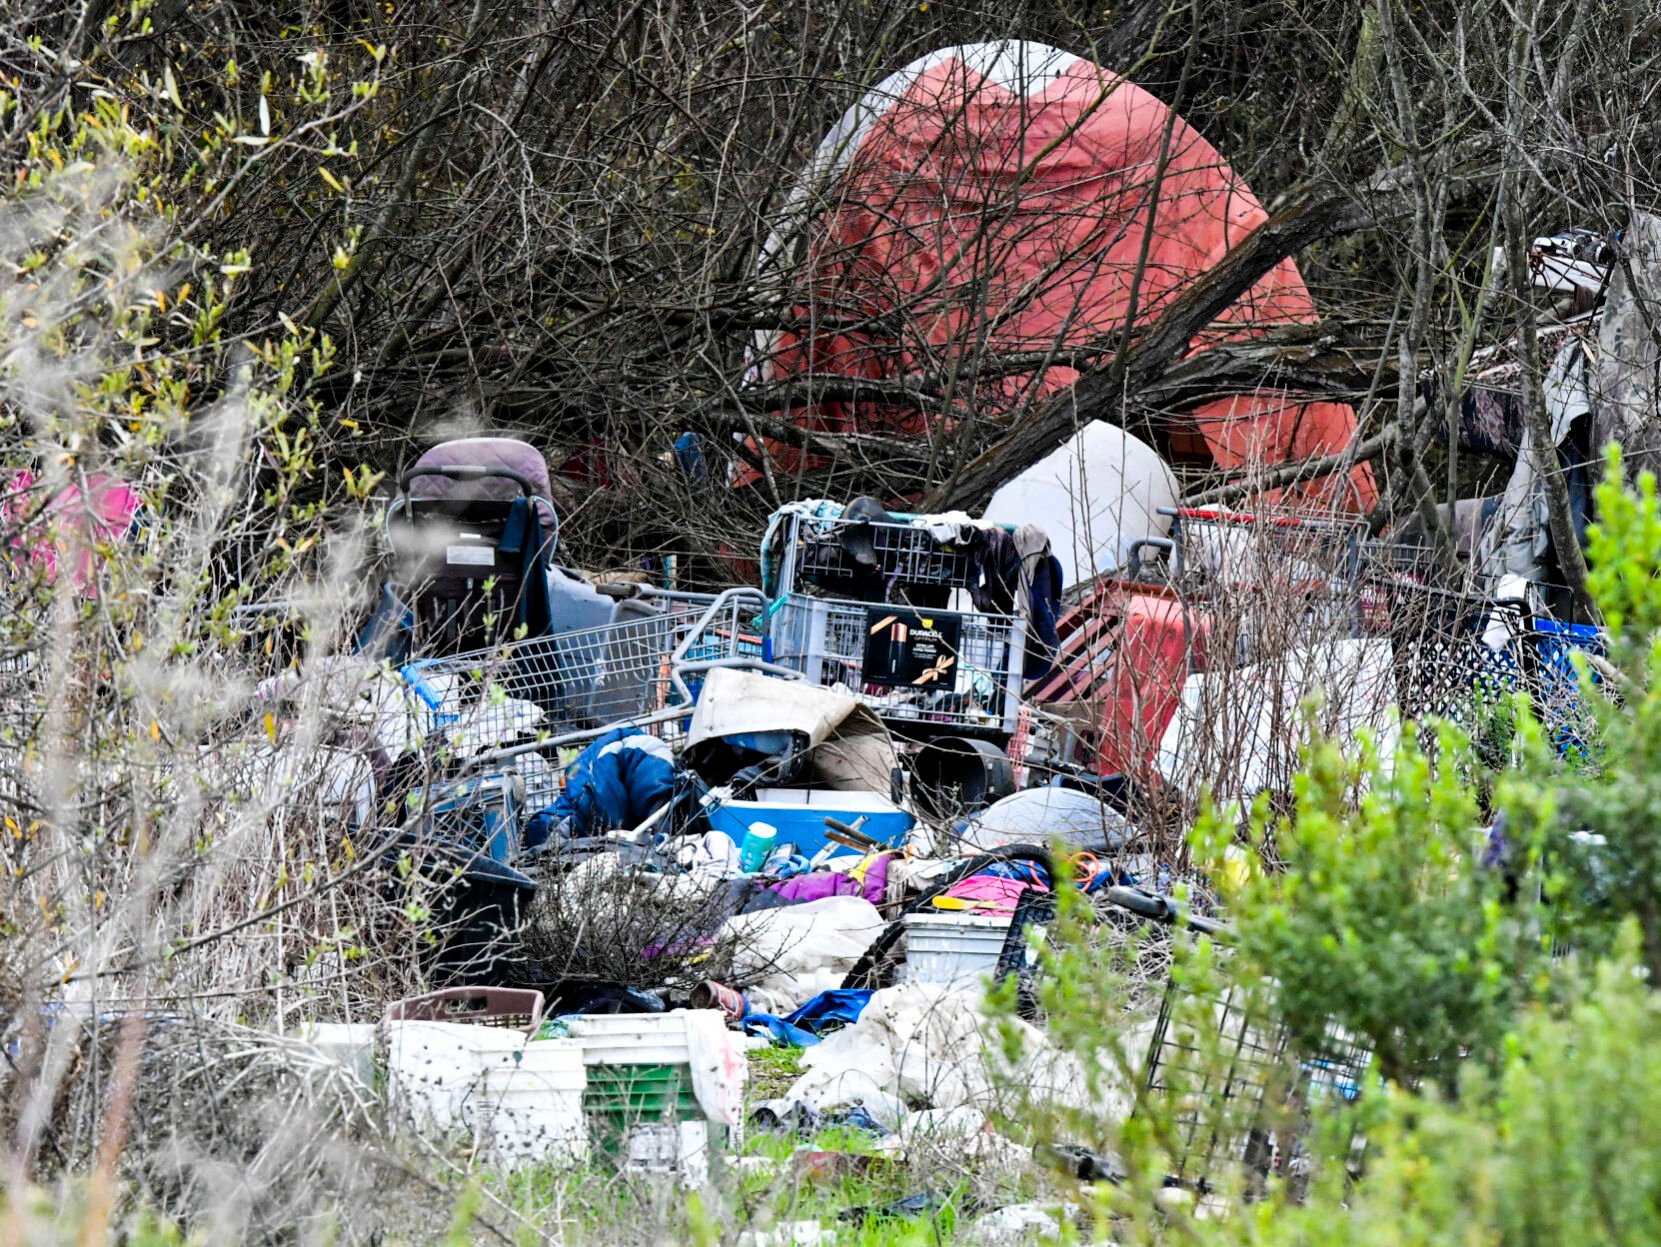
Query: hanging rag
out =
(995, 572)
(1519, 541)
(522, 538)
(1041, 582)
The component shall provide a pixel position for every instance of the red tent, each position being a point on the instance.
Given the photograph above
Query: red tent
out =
(997, 200)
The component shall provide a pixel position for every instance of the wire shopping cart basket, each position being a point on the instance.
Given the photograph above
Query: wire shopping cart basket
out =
(645, 669)
(883, 610)
(647, 662)
(1240, 1095)
(1459, 654)
(1234, 547)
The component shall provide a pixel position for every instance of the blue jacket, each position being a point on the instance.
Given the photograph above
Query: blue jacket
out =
(616, 782)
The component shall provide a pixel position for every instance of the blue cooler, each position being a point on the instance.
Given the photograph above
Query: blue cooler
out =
(800, 814)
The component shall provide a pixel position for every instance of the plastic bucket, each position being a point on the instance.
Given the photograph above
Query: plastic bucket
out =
(956, 775)
(532, 1112)
(955, 950)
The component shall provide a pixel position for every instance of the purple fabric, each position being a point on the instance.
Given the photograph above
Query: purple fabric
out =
(487, 452)
(816, 887)
(804, 888)
(876, 879)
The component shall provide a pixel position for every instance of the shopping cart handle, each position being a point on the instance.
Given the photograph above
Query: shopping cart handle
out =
(1154, 543)
(1139, 901)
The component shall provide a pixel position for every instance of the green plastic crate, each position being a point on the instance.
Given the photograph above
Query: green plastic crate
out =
(620, 1096)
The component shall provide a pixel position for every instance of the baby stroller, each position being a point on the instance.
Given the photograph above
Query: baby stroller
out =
(472, 534)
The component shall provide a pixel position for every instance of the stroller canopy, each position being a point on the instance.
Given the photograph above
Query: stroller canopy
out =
(495, 455)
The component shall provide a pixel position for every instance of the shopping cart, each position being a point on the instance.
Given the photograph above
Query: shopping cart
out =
(532, 704)
(1240, 1096)
(1211, 545)
(884, 610)
(649, 662)
(1459, 655)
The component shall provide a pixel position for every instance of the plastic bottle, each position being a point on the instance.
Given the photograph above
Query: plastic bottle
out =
(758, 843)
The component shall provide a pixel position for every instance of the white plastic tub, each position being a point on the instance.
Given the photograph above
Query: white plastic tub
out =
(351, 1044)
(433, 1067)
(955, 950)
(632, 1038)
(532, 1112)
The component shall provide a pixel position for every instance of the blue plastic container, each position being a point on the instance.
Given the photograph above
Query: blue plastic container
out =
(799, 815)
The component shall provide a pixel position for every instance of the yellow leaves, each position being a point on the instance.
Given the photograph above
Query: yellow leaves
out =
(323, 172)
(271, 726)
(363, 484)
(155, 730)
(171, 86)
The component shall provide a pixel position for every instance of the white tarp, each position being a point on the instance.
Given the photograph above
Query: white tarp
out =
(793, 953)
(1096, 496)
(923, 1043)
(1239, 730)
(1036, 815)
(852, 749)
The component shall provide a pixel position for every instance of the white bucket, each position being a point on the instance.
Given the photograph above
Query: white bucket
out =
(351, 1044)
(956, 950)
(432, 1067)
(532, 1113)
(681, 1148)
(632, 1038)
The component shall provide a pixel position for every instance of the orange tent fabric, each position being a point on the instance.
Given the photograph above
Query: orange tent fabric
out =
(1007, 199)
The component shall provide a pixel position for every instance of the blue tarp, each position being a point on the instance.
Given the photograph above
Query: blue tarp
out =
(801, 1029)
